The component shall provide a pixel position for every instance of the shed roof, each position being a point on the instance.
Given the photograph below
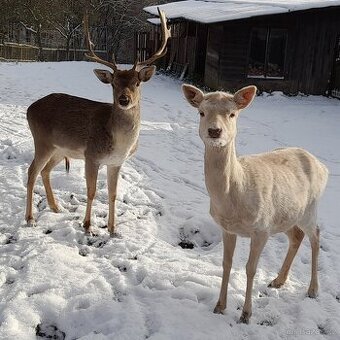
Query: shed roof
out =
(210, 11)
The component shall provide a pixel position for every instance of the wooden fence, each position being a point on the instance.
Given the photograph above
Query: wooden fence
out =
(12, 51)
(22, 52)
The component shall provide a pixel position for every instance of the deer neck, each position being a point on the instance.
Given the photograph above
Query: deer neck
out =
(126, 120)
(223, 171)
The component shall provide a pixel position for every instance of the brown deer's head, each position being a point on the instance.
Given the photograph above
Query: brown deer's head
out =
(126, 83)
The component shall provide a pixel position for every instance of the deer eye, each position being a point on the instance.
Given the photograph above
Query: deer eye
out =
(201, 114)
(137, 84)
(232, 115)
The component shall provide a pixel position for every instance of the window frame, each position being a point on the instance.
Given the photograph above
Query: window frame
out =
(268, 31)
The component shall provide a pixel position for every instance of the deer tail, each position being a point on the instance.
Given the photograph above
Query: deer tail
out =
(67, 165)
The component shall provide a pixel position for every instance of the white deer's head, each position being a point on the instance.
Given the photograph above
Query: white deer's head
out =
(219, 112)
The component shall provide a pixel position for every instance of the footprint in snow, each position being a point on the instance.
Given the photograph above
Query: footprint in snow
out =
(324, 247)
(263, 294)
(94, 240)
(47, 331)
(186, 244)
(322, 330)
(11, 239)
(9, 281)
(41, 204)
(84, 252)
(101, 214)
(122, 268)
(268, 322)
(189, 239)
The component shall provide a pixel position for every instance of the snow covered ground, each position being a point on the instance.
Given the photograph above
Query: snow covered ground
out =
(143, 285)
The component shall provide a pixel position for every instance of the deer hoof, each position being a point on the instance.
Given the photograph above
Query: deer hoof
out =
(276, 284)
(115, 235)
(245, 317)
(111, 230)
(56, 209)
(219, 309)
(87, 227)
(312, 293)
(31, 222)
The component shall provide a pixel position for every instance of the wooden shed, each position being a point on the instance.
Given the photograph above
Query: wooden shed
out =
(291, 46)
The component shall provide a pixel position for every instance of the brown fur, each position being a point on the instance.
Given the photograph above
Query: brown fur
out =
(65, 126)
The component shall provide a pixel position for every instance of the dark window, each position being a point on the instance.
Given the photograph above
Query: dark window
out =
(267, 53)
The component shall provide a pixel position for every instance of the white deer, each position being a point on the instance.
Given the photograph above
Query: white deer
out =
(100, 133)
(257, 195)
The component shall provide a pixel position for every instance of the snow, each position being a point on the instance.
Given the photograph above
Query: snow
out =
(210, 11)
(54, 281)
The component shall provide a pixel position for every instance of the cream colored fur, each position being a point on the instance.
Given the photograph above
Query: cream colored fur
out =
(256, 195)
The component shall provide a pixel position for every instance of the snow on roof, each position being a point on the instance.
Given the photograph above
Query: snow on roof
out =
(210, 11)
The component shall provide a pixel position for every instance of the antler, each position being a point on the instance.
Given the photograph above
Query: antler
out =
(92, 56)
(166, 34)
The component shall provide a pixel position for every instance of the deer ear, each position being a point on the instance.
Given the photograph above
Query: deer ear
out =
(245, 96)
(104, 76)
(146, 73)
(193, 95)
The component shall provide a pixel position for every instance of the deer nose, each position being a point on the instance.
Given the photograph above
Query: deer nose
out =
(214, 133)
(124, 100)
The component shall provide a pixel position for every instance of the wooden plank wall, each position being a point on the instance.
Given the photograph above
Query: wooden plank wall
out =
(315, 44)
(309, 58)
(188, 47)
(212, 62)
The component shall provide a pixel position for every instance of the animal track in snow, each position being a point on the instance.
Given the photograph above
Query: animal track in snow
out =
(48, 331)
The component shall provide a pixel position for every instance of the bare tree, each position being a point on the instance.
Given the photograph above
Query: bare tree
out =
(32, 14)
(67, 20)
(114, 22)
(117, 20)
(7, 15)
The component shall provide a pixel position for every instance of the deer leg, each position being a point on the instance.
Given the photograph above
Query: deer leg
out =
(257, 244)
(112, 180)
(41, 157)
(314, 239)
(295, 236)
(45, 174)
(91, 174)
(229, 242)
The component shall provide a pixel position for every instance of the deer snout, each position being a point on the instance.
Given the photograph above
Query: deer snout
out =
(214, 133)
(124, 100)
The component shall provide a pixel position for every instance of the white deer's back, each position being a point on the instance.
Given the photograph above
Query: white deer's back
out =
(279, 189)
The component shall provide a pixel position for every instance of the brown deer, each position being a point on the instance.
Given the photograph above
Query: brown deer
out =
(65, 126)
(259, 195)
